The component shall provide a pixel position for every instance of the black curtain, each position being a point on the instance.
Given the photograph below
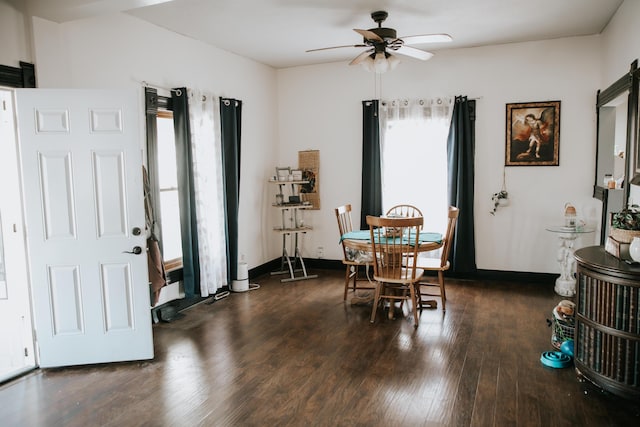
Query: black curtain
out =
(186, 194)
(371, 197)
(460, 158)
(231, 119)
(23, 76)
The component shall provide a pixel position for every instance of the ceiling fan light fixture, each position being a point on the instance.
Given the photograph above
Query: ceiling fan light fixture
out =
(380, 62)
(393, 61)
(367, 63)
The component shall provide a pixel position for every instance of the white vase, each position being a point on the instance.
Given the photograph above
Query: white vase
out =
(634, 249)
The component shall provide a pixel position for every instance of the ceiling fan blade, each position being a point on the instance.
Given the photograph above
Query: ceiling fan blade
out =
(369, 35)
(358, 59)
(337, 47)
(426, 38)
(414, 53)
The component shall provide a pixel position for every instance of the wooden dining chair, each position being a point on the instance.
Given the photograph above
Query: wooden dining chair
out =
(405, 211)
(423, 287)
(352, 261)
(393, 272)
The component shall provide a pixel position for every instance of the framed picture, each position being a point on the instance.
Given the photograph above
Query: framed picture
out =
(533, 134)
(309, 164)
(282, 174)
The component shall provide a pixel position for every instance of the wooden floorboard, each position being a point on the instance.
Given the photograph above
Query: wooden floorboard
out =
(294, 354)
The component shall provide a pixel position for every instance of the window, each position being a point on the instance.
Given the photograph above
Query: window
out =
(180, 151)
(414, 150)
(163, 170)
(169, 214)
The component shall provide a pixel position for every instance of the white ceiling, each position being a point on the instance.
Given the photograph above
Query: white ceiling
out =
(277, 32)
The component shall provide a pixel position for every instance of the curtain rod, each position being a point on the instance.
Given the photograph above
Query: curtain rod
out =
(406, 100)
(147, 84)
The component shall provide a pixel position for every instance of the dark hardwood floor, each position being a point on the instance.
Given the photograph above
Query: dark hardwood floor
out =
(295, 355)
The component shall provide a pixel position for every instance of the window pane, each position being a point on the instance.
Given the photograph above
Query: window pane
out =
(414, 169)
(171, 236)
(168, 176)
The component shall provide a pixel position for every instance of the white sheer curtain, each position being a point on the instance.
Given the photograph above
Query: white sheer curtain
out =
(209, 193)
(413, 152)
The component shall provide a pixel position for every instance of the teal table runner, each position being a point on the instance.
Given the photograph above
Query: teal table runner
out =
(425, 237)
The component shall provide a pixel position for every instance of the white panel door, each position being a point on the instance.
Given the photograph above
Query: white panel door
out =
(82, 173)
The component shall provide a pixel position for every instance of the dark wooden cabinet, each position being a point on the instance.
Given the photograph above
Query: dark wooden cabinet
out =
(607, 336)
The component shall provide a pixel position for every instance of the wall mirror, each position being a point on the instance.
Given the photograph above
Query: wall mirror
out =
(617, 157)
(612, 141)
(634, 187)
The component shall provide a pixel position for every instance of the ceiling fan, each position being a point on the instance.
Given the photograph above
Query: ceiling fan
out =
(382, 42)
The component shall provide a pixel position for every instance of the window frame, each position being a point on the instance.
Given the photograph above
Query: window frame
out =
(174, 263)
(159, 106)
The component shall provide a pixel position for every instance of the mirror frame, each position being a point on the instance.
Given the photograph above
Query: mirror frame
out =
(634, 125)
(627, 83)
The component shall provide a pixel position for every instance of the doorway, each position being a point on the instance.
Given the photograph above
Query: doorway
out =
(16, 332)
(74, 182)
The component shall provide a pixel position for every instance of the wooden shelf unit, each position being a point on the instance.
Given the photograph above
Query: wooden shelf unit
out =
(291, 227)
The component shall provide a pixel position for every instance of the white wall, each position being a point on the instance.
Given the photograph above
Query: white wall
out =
(320, 108)
(15, 39)
(120, 51)
(620, 42)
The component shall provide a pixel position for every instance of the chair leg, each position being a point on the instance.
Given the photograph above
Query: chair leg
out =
(355, 277)
(427, 303)
(414, 302)
(404, 295)
(443, 294)
(346, 282)
(391, 314)
(376, 300)
(416, 287)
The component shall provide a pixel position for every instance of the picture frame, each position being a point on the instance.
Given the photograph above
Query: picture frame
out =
(282, 173)
(309, 163)
(533, 134)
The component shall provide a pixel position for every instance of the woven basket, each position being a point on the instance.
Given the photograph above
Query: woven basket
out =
(623, 236)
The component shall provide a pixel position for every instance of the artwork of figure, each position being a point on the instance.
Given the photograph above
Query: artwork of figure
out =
(532, 134)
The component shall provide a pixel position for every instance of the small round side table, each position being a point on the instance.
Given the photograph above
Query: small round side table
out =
(566, 283)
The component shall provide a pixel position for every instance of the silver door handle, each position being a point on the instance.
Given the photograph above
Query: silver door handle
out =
(137, 250)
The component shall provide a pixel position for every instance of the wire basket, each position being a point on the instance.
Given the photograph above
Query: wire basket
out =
(562, 331)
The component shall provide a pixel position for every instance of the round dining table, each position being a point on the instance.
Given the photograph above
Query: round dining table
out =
(359, 241)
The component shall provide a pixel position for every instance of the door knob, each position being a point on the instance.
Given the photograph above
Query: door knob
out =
(136, 231)
(137, 250)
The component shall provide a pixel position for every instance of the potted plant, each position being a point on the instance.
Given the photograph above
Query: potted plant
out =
(625, 225)
(501, 198)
